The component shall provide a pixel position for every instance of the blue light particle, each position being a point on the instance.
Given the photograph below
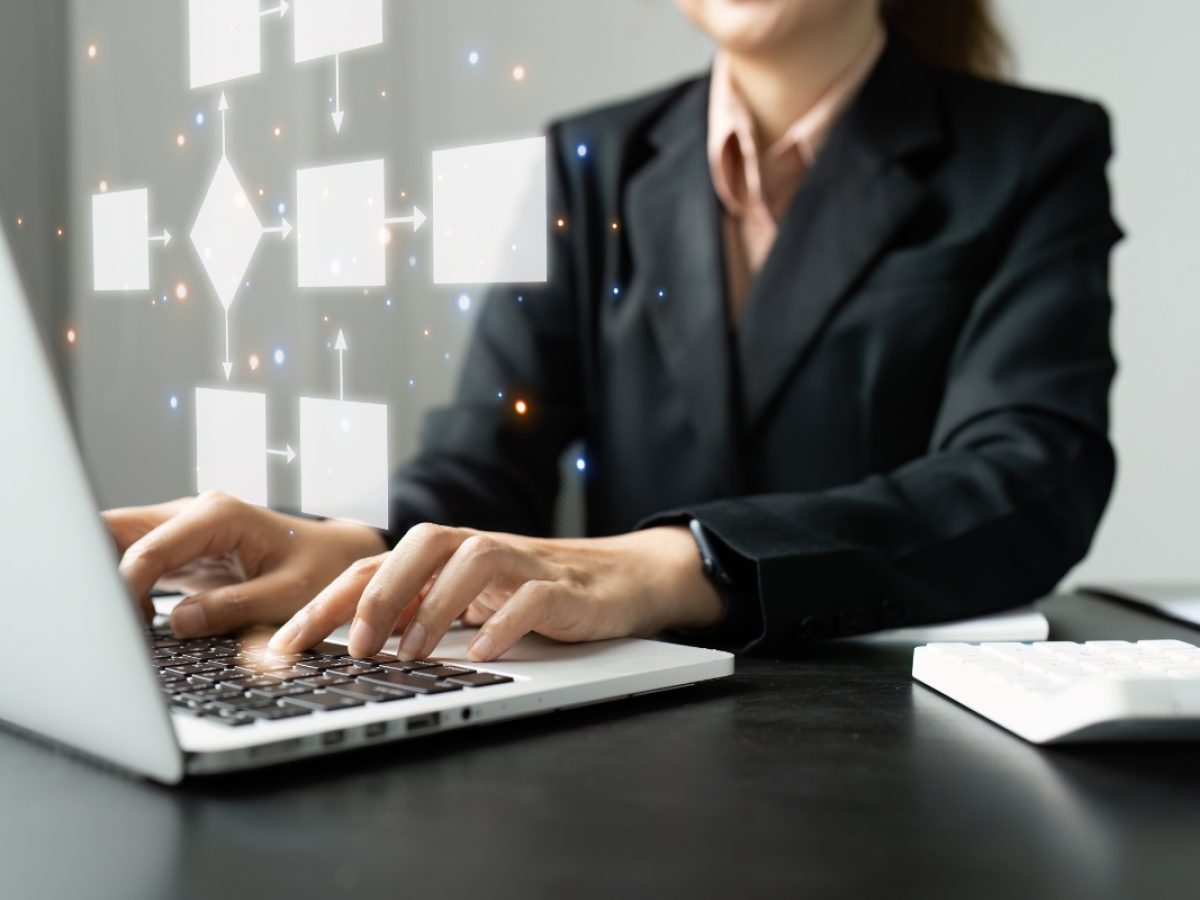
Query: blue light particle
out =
(174, 401)
(581, 464)
(464, 302)
(616, 290)
(473, 58)
(199, 118)
(582, 151)
(282, 208)
(280, 356)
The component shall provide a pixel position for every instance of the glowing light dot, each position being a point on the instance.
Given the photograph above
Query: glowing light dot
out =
(412, 383)
(412, 261)
(180, 139)
(383, 93)
(616, 226)
(254, 363)
(72, 337)
(181, 292)
(92, 51)
(581, 151)
(280, 357)
(261, 192)
(616, 291)
(174, 402)
(199, 118)
(103, 187)
(326, 319)
(282, 207)
(464, 303)
(20, 221)
(581, 464)
(59, 232)
(521, 407)
(518, 73)
(278, 131)
(426, 332)
(473, 58)
(662, 295)
(388, 302)
(562, 223)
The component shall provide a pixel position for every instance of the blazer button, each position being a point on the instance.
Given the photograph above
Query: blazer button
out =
(810, 628)
(894, 611)
(849, 619)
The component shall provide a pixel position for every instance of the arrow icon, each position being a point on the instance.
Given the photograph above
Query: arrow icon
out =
(228, 364)
(164, 238)
(417, 219)
(285, 229)
(338, 115)
(341, 349)
(222, 108)
(282, 9)
(289, 453)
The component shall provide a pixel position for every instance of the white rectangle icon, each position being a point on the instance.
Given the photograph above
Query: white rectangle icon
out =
(120, 244)
(223, 36)
(344, 460)
(339, 225)
(326, 27)
(231, 443)
(489, 214)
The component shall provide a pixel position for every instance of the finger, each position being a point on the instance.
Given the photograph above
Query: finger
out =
(210, 526)
(329, 609)
(266, 600)
(422, 553)
(476, 614)
(131, 523)
(480, 561)
(532, 605)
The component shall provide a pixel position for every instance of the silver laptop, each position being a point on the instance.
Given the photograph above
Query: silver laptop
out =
(167, 709)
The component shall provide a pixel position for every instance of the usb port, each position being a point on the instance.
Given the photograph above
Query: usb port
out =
(429, 720)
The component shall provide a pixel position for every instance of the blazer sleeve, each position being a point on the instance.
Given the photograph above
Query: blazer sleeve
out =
(482, 462)
(1019, 467)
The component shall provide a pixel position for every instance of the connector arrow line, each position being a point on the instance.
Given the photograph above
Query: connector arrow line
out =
(228, 364)
(288, 454)
(164, 238)
(282, 9)
(338, 115)
(341, 349)
(285, 229)
(222, 108)
(417, 219)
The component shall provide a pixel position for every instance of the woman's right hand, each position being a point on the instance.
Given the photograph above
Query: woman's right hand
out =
(243, 565)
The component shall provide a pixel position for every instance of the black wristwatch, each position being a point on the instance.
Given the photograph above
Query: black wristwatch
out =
(710, 561)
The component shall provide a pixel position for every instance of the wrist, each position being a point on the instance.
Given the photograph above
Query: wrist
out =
(690, 599)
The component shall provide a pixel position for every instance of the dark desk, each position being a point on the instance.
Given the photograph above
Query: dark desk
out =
(833, 775)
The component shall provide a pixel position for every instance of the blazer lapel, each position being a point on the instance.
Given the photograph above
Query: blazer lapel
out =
(852, 202)
(673, 229)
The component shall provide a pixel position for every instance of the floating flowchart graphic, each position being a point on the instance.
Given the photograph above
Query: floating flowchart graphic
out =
(121, 242)
(327, 28)
(225, 39)
(489, 213)
(344, 469)
(231, 443)
(227, 233)
(340, 225)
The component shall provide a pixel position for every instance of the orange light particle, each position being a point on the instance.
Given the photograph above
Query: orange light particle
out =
(72, 337)
(521, 407)
(181, 292)
(180, 139)
(519, 73)
(92, 51)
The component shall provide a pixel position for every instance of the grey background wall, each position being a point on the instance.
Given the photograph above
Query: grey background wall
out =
(129, 105)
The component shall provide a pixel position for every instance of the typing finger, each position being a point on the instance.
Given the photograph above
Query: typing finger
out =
(480, 561)
(263, 600)
(533, 604)
(329, 609)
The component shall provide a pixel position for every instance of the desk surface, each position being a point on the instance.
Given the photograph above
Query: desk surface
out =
(830, 775)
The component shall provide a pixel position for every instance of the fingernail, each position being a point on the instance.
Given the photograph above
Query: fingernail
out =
(482, 648)
(286, 636)
(189, 621)
(414, 640)
(362, 639)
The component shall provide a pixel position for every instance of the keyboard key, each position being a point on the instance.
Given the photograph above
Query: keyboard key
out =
(238, 703)
(444, 671)
(260, 681)
(379, 659)
(280, 691)
(274, 713)
(414, 666)
(371, 693)
(320, 665)
(355, 671)
(232, 719)
(324, 681)
(410, 682)
(195, 669)
(479, 679)
(324, 702)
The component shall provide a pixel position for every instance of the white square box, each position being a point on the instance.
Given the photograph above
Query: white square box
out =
(339, 225)
(326, 27)
(489, 213)
(344, 460)
(224, 40)
(231, 443)
(120, 244)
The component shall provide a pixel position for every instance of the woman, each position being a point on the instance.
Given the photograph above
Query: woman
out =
(833, 324)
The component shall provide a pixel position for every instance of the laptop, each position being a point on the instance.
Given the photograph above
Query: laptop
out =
(166, 709)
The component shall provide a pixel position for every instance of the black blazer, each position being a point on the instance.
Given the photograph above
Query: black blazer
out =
(910, 423)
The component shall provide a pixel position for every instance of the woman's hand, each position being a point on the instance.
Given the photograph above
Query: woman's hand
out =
(569, 590)
(246, 565)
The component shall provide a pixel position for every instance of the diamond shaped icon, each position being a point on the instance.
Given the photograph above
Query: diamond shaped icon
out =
(226, 233)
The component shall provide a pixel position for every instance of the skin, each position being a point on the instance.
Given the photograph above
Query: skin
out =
(246, 566)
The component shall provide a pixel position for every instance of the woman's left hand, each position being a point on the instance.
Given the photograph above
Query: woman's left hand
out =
(635, 584)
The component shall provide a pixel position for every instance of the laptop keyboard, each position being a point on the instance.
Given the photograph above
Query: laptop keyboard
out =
(238, 682)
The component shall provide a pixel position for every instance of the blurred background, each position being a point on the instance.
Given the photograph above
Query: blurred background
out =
(113, 104)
